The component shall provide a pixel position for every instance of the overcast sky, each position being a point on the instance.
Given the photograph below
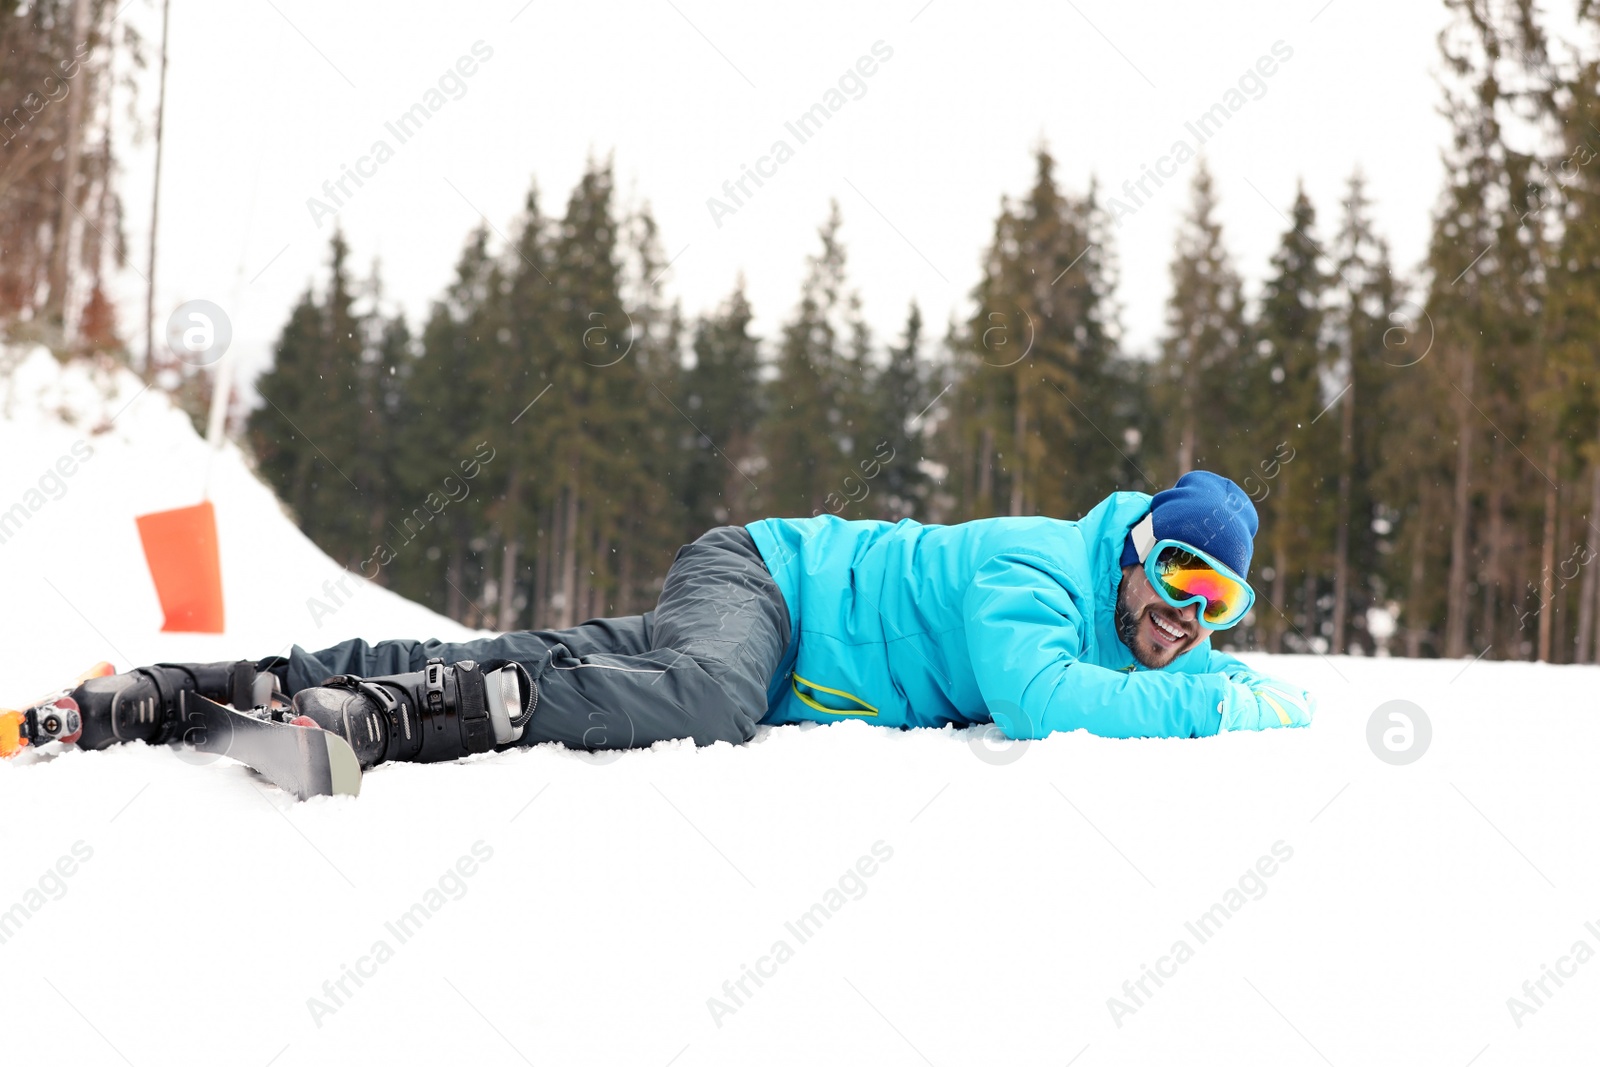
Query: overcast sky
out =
(269, 99)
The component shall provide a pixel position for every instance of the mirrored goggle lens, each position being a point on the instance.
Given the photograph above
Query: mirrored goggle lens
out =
(1183, 575)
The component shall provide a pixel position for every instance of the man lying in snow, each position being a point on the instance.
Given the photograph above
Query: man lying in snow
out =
(1034, 624)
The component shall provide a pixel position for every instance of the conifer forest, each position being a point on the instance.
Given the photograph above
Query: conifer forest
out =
(1422, 440)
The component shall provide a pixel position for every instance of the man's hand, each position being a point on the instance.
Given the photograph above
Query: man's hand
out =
(1255, 702)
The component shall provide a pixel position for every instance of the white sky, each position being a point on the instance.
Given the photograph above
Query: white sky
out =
(267, 99)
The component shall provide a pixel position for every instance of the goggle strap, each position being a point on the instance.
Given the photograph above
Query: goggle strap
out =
(1144, 536)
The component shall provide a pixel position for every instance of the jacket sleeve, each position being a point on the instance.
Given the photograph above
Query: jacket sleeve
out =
(1025, 632)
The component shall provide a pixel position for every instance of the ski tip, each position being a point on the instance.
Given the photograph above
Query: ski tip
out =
(344, 770)
(14, 739)
(11, 739)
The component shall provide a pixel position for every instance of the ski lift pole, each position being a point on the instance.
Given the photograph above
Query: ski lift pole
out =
(217, 420)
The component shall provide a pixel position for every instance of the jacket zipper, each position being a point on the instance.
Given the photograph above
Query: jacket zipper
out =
(863, 707)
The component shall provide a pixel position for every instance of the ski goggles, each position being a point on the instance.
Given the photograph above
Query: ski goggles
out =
(1182, 575)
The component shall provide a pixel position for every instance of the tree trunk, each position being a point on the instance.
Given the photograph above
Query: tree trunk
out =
(1455, 626)
(1341, 531)
(539, 599)
(1558, 621)
(1413, 608)
(300, 486)
(508, 585)
(1019, 451)
(1491, 570)
(1284, 511)
(1547, 563)
(510, 534)
(1280, 590)
(536, 579)
(583, 605)
(625, 578)
(1185, 456)
(985, 473)
(969, 480)
(1308, 593)
(455, 603)
(598, 606)
(66, 210)
(569, 559)
(1587, 591)
(1187, 446)
(155, 203)
(1594, 599)
(375, 527)
(480, 608)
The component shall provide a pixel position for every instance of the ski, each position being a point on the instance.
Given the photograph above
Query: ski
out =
(50, 718)
(296, 755)
(306, 761)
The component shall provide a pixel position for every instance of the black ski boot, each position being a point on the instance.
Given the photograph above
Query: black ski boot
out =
(144, 705)
(438, 713)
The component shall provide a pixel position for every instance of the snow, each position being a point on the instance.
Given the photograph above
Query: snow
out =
(982, 903)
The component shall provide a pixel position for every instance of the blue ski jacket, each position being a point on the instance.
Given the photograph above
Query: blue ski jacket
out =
(1008, 620)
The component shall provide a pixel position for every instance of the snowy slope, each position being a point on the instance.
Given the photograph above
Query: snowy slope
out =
(79, 538)
(967, 904)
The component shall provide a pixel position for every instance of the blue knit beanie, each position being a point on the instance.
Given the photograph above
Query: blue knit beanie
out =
(1207, 511)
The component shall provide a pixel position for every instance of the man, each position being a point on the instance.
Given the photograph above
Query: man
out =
(1035, 624)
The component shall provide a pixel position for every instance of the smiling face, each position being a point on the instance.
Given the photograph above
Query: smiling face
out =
(1154, 631)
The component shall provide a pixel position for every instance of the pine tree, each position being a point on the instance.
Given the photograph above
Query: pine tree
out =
(1038, 377)
(1284, 398)
(342, 487)
(381, 431)
(651, 517)
(1484, 267)
(523, 420)
(1205, 347)
(425, 545)
(282, 453)
(310, 435)
(1572, 325)
(809, 433)
(901, 391)
(721, 397)
(593, 381)
(1364, 297)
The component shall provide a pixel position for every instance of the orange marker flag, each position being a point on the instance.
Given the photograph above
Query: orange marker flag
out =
(181, 548)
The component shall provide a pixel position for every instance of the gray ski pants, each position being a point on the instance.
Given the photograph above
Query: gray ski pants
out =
(702, 665)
